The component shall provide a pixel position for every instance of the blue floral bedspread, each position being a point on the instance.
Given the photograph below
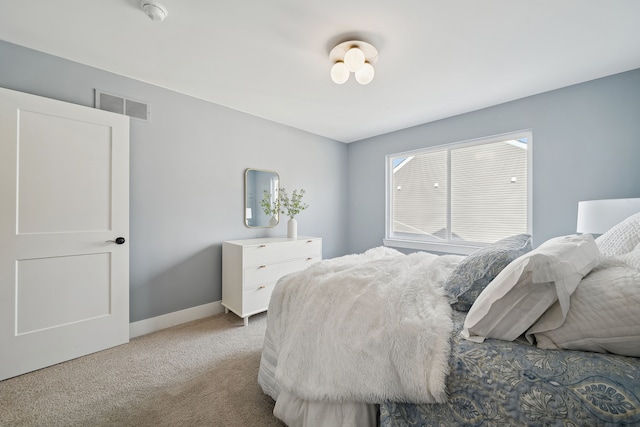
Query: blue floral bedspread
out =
(501, 383)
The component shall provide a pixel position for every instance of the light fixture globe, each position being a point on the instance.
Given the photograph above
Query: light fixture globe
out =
(365, 74)
(353, 56)
(339, 73)
(354, 59)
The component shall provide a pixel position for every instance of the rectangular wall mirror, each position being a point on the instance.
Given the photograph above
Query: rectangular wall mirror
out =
(256, 183)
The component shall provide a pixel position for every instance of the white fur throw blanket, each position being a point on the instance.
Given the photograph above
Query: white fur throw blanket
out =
(364, 328)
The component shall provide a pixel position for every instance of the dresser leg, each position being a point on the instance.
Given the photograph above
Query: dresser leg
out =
(226, 310)
(246, 321)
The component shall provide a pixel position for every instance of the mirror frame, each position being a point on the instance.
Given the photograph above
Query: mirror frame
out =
(254, 216)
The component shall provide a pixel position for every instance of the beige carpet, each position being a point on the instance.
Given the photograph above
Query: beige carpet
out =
(202, 373)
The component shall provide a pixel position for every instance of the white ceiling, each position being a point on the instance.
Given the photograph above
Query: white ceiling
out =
(269, 58)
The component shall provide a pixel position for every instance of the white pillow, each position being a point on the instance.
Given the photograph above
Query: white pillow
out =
(528, 286)
(603, 316)
(621, 238)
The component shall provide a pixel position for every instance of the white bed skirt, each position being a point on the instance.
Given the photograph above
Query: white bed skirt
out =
(296, 412)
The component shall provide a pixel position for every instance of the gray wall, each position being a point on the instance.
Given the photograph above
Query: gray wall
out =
(187, 169)
(586, 145)
(187, 178)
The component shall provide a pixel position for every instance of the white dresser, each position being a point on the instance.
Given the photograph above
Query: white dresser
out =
(251, 268)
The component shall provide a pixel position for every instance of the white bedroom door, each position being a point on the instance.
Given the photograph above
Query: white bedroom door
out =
(64, 200)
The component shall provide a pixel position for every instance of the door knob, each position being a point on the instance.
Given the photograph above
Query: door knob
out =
(118, 241)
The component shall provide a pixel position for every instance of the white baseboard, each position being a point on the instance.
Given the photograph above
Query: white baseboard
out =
(146, 326)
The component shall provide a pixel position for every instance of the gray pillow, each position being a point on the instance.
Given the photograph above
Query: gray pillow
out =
(474, 272)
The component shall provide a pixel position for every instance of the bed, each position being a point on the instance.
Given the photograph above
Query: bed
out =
(508, 336)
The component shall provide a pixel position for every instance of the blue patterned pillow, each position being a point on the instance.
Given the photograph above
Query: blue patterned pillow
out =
(474, 272)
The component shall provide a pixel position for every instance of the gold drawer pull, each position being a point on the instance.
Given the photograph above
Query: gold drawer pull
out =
(309, 259)
(262, 246)
(263, 266)
(262, 286)
(309, 241)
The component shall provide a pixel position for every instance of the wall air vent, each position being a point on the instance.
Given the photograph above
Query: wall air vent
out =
(119, 104)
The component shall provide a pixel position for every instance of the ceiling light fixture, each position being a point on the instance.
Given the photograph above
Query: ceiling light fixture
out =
(353, 56)
(154, 10)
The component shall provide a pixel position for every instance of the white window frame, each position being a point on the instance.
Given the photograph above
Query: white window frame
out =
(466, 248)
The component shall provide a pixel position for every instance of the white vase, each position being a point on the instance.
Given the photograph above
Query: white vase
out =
(292, 228)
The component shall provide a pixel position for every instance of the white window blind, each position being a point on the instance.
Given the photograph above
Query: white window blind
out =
(461, 195)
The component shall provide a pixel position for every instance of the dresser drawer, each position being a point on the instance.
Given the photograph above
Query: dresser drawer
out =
(266, 273)
(257, 299)
(252, 267)
(267, 253)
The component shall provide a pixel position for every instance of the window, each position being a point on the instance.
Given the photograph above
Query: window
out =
(458, 197)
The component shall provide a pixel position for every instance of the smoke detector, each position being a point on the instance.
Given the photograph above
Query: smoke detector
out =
(154, 10)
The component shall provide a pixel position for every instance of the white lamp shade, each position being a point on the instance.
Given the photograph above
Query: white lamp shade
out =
(365, 74)
(598, 216)
(339, 73)
(354, 59)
